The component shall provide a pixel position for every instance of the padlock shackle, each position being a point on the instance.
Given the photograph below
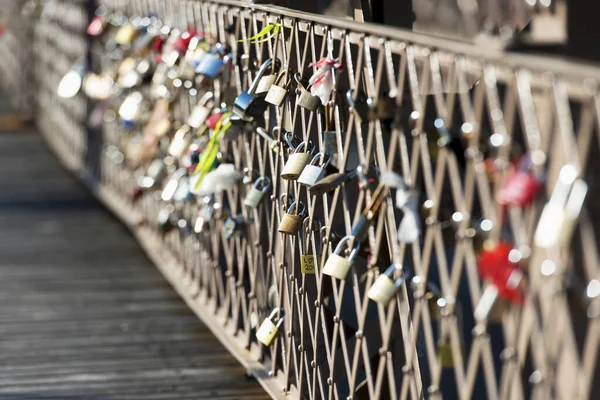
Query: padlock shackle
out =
(306, 223)
(389, 272)
(300, 208)
(281, 75)
(274, 313)
(266, 183)
(343, 242)
(321, 156)
(286, 196)
(261, 72)
(206, 97)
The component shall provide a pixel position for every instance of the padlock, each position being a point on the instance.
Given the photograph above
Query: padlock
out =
(233, 225)
(98, 23)
(561, 213)
(268, 329)
(367, 110)
(172, 184)
(297, 161)
(330, 183)
(384, 287)
(312, 173)
(265, 83)
(210, 65)
(71, 82)
(129, 111)
(338, 266)
(277, 92)
(125, 34)
(305, 98)
(201, 111)
(292, 220)
(361, 227)
(248, 104)
(495, 264)
(180, 141)
(257, 192)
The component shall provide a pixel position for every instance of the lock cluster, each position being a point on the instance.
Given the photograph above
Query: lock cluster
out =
(308, 202)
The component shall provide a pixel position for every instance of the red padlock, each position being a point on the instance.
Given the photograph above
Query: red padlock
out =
(96, 26)
(521, 185)
(495, 266)
(212, 121)
(182, 44)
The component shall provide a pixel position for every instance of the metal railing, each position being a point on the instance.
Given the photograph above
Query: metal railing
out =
(463, 113)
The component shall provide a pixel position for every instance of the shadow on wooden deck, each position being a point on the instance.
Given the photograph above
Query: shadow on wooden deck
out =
(83, 312)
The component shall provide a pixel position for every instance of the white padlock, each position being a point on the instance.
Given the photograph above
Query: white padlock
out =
(384, 287)
(297, 161)
(312, 173)
(338, 266)
(257, 192)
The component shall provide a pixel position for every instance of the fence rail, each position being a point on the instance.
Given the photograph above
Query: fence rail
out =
(463, 114)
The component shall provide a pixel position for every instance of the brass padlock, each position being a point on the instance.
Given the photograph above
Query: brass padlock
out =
(312, 173)
(201, 111)
(361, 228)
(265, 82)
(305, 98)
(338, 266)
(297, 161)
(384, 287)
(292, 220)
(257, 192)
(125, 34)
(277, 92)
(268, 329)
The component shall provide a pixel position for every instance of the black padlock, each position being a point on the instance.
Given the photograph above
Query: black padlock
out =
(249, 105)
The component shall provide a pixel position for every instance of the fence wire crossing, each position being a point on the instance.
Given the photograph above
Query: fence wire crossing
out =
(461, 117)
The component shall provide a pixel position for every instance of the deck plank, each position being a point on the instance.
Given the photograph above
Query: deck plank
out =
(83, 313)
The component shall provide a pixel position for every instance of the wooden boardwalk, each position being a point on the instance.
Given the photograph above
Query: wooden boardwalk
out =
(83, 312)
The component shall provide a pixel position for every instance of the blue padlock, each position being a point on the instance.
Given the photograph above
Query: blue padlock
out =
(250, 105)
(211, 64)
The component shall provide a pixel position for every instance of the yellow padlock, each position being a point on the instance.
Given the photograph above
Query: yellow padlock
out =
(268, 329)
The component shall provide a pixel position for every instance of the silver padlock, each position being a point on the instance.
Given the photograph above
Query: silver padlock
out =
(279, 89)
(180, 141)
(338, 266)
(291, 222)
(265, 83)
(297, 161)
(201, 111)
(129, 112)
(305, 98)
(384, 287)
(172, 184)
(313, 172)
(248, 104)
(268, 329)
(257, 192)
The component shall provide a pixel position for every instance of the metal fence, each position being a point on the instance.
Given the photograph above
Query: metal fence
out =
(462, 115)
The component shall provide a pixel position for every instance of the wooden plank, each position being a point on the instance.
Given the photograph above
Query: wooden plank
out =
(83, 312)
